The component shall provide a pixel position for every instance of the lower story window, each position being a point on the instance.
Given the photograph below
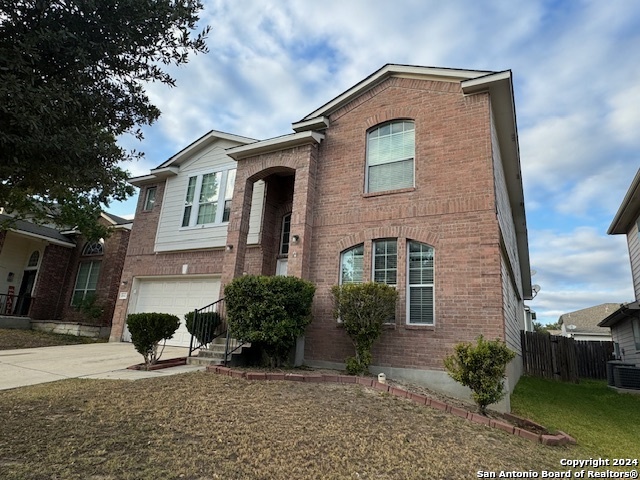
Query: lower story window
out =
(351, 263)
(420, 300)
(86, 282)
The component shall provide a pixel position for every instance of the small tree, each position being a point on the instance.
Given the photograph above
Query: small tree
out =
(482, 368)
(363, 308)
(269, 311)
(148, 330)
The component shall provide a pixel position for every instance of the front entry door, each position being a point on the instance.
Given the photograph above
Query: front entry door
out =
(24, 296)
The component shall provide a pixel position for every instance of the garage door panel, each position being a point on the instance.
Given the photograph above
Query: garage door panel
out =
(177, 297)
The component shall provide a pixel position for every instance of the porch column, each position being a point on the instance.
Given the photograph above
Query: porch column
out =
(304, 191)
(233, 260)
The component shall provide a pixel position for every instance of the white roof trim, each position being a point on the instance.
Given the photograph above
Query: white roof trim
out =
(388, 71)
(275, 144)
(318, 123)
(199, 143)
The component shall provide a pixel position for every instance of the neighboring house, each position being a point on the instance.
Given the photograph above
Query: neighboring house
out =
(583, 324)
(625, 320)
(411, 178)
(49, 276)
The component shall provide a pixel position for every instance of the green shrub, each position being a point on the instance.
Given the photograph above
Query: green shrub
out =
(208, 323)
(363, 308)
(271, 312)
(148, 330)
(482, 368)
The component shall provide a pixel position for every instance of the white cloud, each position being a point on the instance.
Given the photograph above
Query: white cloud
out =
(578, 269)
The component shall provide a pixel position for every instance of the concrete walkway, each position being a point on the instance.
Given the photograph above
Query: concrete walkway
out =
(30, 366)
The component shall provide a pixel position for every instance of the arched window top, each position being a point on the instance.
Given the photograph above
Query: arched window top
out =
(94, 248)
(390, 154)
(351, 265)
(33, 259)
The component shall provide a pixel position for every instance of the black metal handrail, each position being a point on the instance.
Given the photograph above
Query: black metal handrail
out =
(15, 305)
(207, 324)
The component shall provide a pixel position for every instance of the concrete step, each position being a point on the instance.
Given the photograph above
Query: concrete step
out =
(204, 361)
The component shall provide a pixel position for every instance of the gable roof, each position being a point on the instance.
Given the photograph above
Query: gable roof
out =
(171, 166)
(587, 320)
(629, 209)
(390, 70)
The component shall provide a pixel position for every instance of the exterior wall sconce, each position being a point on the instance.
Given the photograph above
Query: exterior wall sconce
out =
(228, 248)
(295, 239)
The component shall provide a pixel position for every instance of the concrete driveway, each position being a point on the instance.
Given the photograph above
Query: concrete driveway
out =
(30, 366)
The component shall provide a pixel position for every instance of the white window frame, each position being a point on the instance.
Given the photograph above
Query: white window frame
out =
(220, 199)
(369, 133)
(635, 330)
(284, 232)
(342, 257)
(373, 268)
(373, 260)
(421, 285)
(93, 264)
(149, 199)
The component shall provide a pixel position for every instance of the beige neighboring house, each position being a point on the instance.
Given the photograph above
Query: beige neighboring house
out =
(625, 320)
(583, 324)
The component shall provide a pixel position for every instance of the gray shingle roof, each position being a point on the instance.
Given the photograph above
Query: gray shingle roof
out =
(587, 319)
(28, 227)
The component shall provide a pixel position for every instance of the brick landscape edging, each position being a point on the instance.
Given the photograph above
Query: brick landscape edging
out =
(559, 438)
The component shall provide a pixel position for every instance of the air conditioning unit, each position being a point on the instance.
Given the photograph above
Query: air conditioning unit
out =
(626, 377)
(611, 364)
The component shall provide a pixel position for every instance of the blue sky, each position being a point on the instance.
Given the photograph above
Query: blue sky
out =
(576, 70)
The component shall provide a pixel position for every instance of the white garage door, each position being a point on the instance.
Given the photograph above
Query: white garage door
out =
(175, 296)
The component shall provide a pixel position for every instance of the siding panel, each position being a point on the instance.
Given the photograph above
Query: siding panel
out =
(170, 234)
(634, 255)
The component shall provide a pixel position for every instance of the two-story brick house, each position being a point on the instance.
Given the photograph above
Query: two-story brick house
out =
(411, 177)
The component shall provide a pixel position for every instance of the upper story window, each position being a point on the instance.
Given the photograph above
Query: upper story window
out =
(351, 265)
(390, 155)
(93, 248)
(150, 199)
(420, 284)
(204, 195)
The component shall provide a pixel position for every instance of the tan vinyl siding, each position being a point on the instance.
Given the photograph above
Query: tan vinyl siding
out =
(503, 206)
(623, 334)
(513, 310)
(171, 235)
(634, 255)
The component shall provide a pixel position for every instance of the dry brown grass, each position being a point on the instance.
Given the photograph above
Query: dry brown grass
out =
(204, 426)
(16, 338)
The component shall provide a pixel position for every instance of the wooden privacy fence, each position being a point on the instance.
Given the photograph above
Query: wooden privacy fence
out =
(563, 358)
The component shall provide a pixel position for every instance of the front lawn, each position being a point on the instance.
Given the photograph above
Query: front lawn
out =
(605, 423)
(11, 338)
(205, 426)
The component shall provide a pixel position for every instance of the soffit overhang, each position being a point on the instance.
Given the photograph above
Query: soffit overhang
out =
(629, 209)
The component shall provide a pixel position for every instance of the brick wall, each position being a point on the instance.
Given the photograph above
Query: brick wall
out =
(51, 283)
(452, 208)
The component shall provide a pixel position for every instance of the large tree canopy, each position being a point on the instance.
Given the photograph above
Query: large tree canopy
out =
(72, 78)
